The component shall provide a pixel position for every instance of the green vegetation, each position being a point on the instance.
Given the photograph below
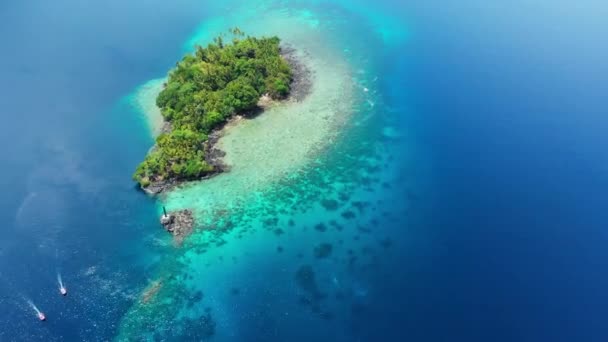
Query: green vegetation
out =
(204, 90)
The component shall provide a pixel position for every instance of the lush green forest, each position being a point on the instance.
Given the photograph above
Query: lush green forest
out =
(203, 91)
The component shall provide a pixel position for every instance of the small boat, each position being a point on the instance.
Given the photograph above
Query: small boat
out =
(41, 316)
(63, 291)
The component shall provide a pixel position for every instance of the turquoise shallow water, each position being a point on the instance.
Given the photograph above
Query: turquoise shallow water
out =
(294, 232)
(461, 197)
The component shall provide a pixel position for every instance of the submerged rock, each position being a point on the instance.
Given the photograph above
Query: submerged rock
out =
(151, 291)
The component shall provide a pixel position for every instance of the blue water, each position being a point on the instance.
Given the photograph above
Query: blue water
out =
(69, 205)
(503, 106)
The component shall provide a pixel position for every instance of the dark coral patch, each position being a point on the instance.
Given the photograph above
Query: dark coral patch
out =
(323, 250)
(321, 227)
(344, 197)
(305, 278)
(360, 205)
(336, 225)
(271, 222)
(349, 215)
(330, 204)
(197, 297)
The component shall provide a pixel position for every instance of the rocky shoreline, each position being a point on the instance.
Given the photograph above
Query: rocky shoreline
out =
(301, 82)
(301, 85)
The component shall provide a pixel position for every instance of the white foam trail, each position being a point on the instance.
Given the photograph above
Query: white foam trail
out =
(33, 306)
(60, 281)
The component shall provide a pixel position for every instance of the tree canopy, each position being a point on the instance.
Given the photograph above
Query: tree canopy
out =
(205, 89)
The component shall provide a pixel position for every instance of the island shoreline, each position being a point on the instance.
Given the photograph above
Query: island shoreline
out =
(300, 88)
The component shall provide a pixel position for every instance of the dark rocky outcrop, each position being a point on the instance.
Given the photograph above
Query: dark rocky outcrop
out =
(179, 223)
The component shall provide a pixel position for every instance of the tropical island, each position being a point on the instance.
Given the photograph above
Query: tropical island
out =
(204, 91)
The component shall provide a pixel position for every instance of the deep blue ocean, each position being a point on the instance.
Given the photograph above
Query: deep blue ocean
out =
(504, 105)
